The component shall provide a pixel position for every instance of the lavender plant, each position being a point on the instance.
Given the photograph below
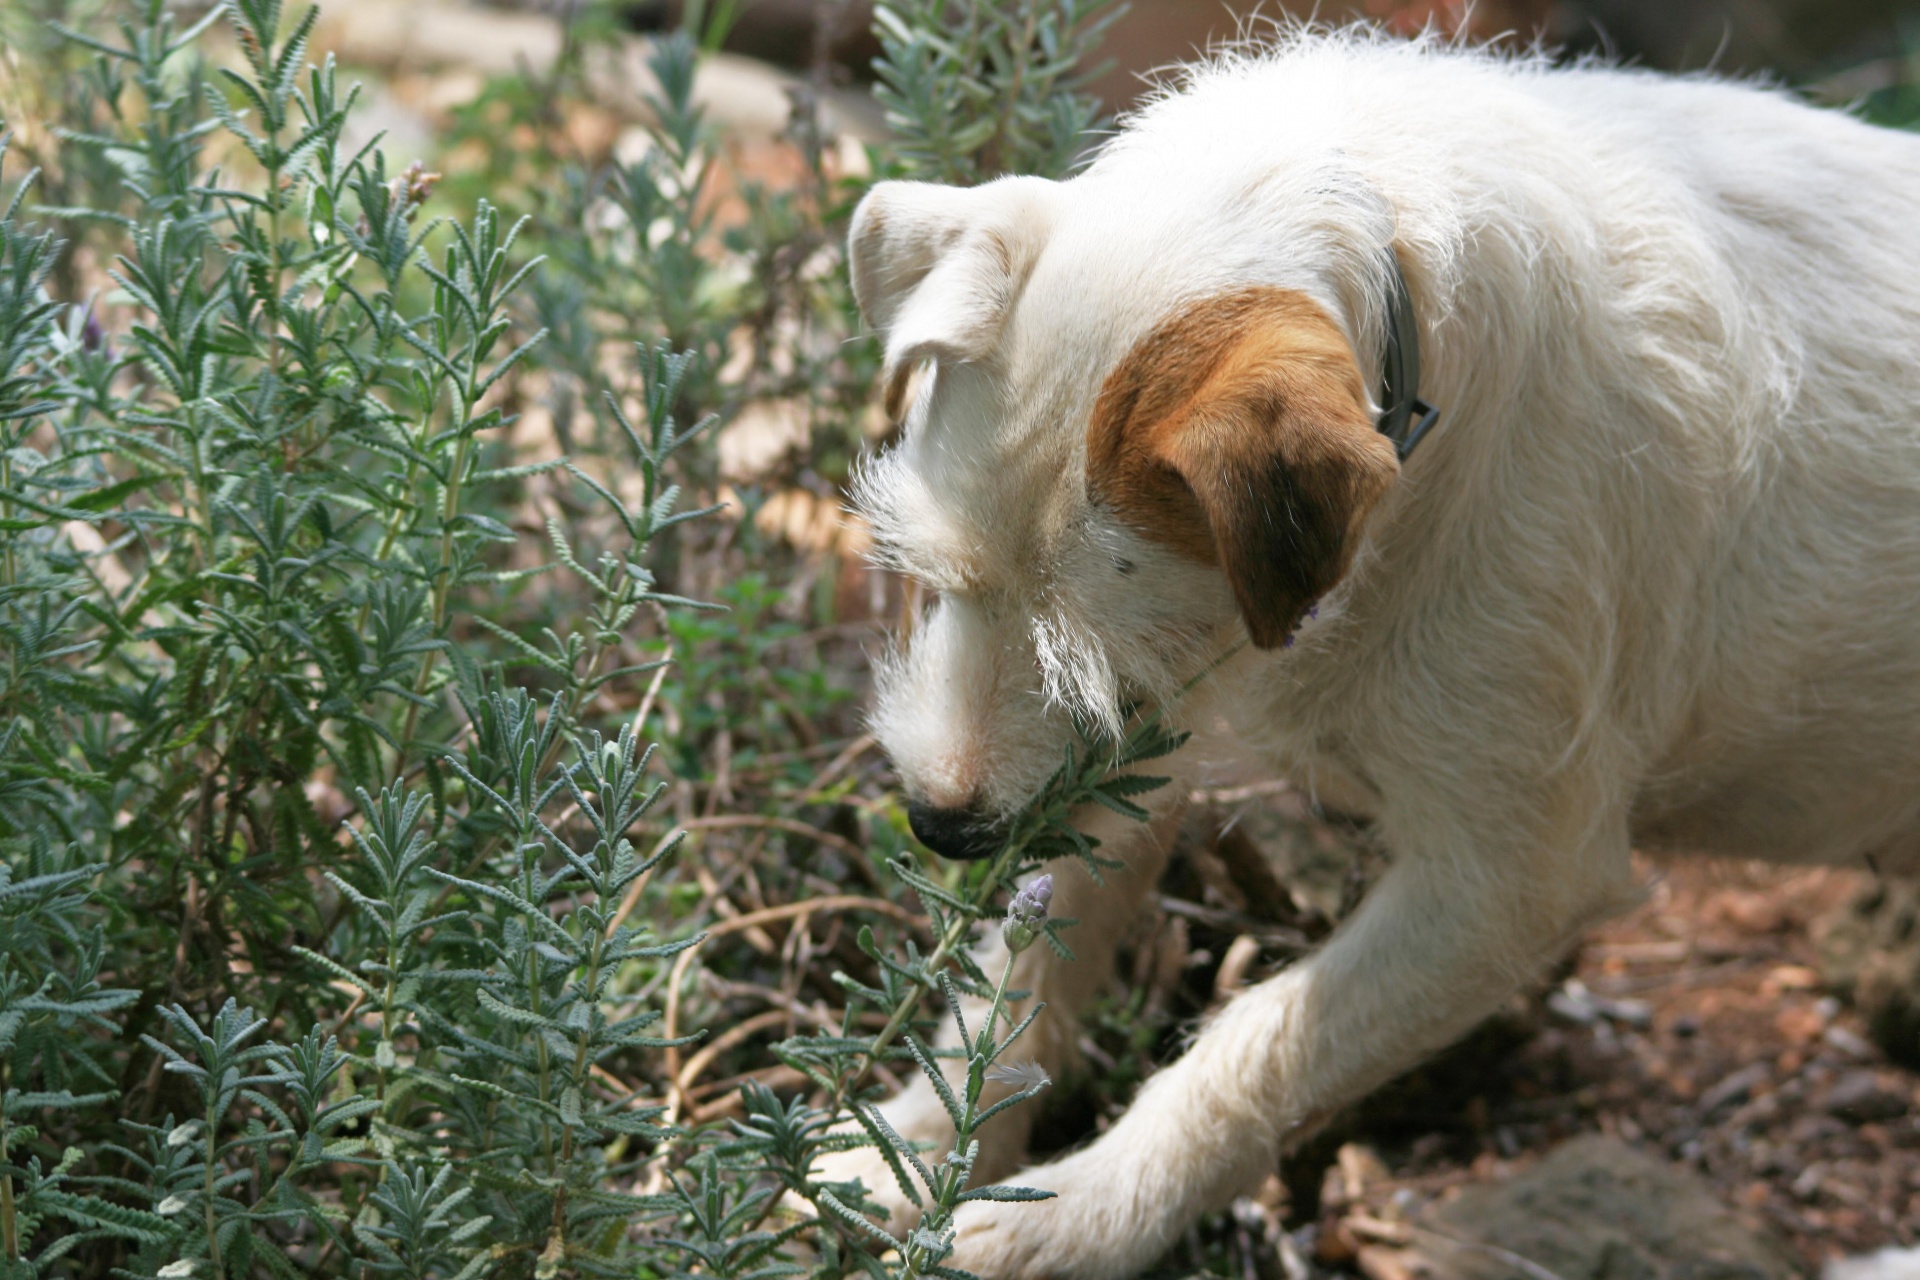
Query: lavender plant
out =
(972, 91)
(334, 865)
(246, 533)
(947, 1184)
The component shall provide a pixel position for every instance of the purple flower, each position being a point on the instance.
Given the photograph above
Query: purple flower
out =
(1026, 913)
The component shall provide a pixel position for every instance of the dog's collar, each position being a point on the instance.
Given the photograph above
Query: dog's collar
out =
(1406, 417)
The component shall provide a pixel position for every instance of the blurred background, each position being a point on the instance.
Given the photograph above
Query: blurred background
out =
(1847, 48)
(1860, 53)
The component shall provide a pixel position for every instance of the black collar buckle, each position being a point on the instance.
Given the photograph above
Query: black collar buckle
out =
(1407, 418)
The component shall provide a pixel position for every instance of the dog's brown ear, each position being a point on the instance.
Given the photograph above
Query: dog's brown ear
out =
(1238, 433)
(936, 269)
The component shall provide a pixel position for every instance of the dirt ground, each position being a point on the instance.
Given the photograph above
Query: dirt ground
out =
(1696, 1030)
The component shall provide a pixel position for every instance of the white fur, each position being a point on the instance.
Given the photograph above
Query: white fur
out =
(1655, 578)
(1887, 1264)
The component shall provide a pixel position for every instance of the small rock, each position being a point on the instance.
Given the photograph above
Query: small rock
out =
(1859, 1096)
(1733, 1088)
(1811, 1127)
(1576, 1002)
(1595, 1209)
(1847, 1042)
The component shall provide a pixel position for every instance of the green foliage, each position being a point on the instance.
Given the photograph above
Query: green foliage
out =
(1099, 774)
(282, 472)
(660, 265)
(1898, 104)
(337, 901)
(781, 1143)
(972, 91)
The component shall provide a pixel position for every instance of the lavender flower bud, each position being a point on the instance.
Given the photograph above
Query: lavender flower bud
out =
(1026, 913)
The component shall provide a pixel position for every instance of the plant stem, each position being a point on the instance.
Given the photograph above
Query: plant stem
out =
(443, 571)
(6, 512)
(999, 1000)
(210, 1184)
(9, 1228)
(943, 951)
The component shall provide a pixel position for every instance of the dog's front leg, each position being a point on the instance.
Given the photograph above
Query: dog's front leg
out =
(1105, 912)
(1436, 946)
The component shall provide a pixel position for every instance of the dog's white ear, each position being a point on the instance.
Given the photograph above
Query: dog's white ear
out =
(936, 268)
(1238, 433)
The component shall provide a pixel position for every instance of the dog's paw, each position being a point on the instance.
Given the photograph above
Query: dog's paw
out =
(1094, 1228)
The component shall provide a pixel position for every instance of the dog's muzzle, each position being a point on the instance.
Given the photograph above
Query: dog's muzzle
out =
(960, 834)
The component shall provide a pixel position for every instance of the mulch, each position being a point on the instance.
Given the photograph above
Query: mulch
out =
(1695, 1029)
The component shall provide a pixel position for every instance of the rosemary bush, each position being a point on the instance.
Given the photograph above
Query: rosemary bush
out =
(976, 90)
(339, 906)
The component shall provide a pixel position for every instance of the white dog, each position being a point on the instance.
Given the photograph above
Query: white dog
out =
(1653, 578)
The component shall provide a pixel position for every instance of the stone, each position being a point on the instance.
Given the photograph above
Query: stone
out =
(1734, 1088)
(1860, 1097)
(1594, 1209)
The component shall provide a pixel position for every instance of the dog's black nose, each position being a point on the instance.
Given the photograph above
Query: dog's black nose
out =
(959, 834)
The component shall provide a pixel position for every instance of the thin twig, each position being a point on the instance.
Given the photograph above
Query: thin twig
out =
(753, 919)
(722, 822)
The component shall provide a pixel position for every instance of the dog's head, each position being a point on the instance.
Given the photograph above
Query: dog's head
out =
(1109, 471)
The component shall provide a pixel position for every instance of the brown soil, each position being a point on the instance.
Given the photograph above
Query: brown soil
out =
(1695, 1029)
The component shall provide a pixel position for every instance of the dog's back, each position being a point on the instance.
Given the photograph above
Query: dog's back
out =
(1676, 326)
(1801, 734)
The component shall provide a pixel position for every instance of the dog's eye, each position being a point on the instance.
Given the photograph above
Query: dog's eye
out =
(1124, 565)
